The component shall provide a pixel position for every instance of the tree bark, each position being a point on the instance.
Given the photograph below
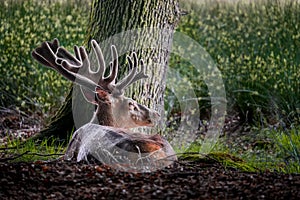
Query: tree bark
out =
(120, 17)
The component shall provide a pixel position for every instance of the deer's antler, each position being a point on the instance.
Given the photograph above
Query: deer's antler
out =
(132, 76)
(78, 68)
(46, 54)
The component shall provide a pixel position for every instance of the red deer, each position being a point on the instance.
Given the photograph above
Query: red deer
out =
(108, 137)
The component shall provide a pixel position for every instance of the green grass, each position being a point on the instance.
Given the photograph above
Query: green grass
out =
(18, 151)
(269, 150)
(255, 45)
(257, 150)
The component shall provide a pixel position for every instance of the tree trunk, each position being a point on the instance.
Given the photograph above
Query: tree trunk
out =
(125, 24)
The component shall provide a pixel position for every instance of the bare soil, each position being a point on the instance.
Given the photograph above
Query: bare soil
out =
(183, 180)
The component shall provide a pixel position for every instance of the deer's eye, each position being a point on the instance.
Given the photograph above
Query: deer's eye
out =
(133, 106)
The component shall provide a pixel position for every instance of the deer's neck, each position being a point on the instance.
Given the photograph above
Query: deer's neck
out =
(103, 115)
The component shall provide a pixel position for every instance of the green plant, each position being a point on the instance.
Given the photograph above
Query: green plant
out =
(219, 153)
(288, 148)
(20, 151)
(268, 150)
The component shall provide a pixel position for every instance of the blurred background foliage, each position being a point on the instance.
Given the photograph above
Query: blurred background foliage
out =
(23, 26)
(256, 46)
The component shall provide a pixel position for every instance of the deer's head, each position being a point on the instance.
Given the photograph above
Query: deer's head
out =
(113, 108)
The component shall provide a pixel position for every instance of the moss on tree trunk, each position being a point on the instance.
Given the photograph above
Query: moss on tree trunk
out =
(111, 17)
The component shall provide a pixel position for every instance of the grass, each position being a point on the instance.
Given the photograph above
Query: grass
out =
(16, 151)
(255, 45)
(269, 150)
(265, 150)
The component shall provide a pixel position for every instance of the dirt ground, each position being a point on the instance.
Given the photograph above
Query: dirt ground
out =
(182, 180)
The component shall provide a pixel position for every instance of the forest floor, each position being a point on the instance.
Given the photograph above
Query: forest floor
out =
(202, 179)
(182, 180)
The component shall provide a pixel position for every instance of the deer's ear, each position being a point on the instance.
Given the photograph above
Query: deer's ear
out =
(102, 95)
(89, 95)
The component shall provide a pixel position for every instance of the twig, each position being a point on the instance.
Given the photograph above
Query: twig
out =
(29, 153)
(15, 157)
(46, 155)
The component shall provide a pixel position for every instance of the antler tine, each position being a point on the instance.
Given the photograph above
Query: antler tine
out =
(73, 63)
(139, 75)
(45, 54)
(98, 75)
(128, 79)
(82, 65)
(113, 66)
